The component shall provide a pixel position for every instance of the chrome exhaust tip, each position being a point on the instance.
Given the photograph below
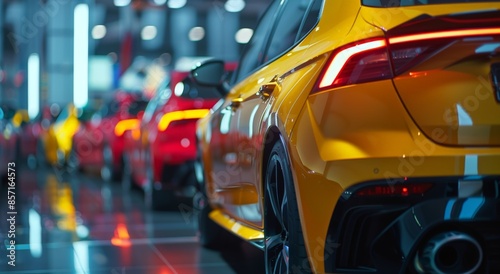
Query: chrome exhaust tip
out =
(449, 252)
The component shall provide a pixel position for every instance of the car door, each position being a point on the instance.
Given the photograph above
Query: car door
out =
(223, 170)
(139, 152)
(251, 102)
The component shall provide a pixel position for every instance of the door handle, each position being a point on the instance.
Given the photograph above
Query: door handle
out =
(235, 103)
(266, 90)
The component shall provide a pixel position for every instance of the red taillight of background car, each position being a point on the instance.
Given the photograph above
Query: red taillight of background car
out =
(384, 58)
(398, 190)
(124, 125)
(179, 115)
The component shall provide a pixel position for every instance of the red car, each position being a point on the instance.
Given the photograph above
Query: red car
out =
(163, 149)
(31, 131)
(99, 142)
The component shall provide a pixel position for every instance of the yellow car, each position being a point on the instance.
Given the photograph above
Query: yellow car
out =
(359, 137)
(57, 141)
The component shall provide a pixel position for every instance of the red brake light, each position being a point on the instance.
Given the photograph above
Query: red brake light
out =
(369, 60)
(443, 34)
(404, 190)
(125, 125)
(357, 63)
(179, 115)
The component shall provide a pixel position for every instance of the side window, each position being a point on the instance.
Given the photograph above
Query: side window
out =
(162, 95)
(253, 53)
(310, 20)
(283, 36)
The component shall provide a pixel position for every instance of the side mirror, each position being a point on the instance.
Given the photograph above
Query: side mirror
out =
(209, 73)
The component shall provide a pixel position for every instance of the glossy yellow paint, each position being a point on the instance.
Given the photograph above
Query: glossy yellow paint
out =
(20, 117)
(59, 138)
(339, 137)
(245, 232)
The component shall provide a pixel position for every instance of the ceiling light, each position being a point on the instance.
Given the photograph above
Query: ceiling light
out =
(122, 3)
(243, 35)
(234, 5)
(98, 32)
(176, 4)
(149, 33)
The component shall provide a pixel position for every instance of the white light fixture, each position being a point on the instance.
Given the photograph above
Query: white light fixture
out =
(98, 32)
(122, 3)
(160, 2)
(196, 34)
(176, 4)
(35, 233)
(81, 55)
(33, 85)
(149, 33)
(179, 89)
(243, 35)
(234, 5)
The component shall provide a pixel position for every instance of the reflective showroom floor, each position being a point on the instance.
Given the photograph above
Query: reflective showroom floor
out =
(79, 224)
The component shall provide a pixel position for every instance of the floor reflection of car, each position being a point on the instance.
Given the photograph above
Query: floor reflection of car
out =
(360, 137)
(162, 150)
(99, 141)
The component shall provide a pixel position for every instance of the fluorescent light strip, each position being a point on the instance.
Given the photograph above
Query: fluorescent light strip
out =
(33, 85)
(81, 55)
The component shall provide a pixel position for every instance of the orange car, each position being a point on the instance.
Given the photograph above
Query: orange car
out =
(359, 137)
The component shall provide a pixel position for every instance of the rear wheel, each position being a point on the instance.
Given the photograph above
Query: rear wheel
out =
(109, 171)
(127, 181)
(41, 159)
(73, 162)
(285, 250)
(156, 198)
(211, 234)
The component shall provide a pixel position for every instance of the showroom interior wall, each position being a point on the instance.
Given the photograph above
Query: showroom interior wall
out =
(41, 36)
(1, 43)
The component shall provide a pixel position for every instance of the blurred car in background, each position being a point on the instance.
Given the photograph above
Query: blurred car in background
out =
(98, 143)
(360, 137)
(31, 132)
(161, 152)
(55, 144)
(8, 139)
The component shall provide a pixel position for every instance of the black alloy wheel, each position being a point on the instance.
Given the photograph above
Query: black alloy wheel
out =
(285, 250)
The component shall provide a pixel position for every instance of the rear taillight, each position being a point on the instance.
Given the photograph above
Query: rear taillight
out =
(384, 58)
(179, 115)
(399, 190)
(124, 125)
(357, 63)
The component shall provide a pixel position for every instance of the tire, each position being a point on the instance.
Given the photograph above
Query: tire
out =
(282, 226)
(109, 172)
(127, 180)
(41, 158)
(156, 199)
(210, 234)
(73, 162)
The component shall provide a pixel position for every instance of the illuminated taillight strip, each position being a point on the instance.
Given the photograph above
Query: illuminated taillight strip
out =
(343, 56)
(125, 125)
(444, 34)
(167, 118)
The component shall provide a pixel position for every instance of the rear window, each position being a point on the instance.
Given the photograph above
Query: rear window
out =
(398, 3)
